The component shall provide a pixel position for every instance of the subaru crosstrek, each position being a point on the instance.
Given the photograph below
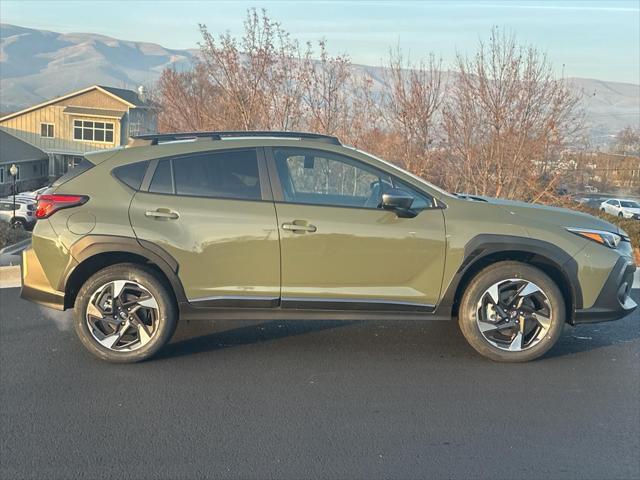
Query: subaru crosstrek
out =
(275, 225)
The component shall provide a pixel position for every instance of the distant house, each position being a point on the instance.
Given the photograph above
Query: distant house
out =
(31, 162)
(93, 118)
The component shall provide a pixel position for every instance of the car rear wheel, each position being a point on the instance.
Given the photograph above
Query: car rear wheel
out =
(512, 312)
(125, 313)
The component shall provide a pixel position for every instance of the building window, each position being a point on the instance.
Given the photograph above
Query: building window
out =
(90, 131)
(2, 175)
(73, 162)
(46, 130)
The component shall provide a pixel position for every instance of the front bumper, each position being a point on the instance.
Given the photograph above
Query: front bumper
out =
(614, 301)
(35, 285)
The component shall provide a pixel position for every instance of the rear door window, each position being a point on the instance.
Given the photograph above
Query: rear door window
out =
(162, 181)
(229, 174)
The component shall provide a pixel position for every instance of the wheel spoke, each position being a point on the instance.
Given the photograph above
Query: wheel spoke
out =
(516, 343)
(118, 286)
(543, 320)
(109, 341)
(134, 301)
(94, 311)
(148, 302)
(143, 332)
(494, 293)
(488, 327)
(528, 289)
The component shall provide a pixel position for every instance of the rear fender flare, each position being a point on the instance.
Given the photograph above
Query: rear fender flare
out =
(92, 245)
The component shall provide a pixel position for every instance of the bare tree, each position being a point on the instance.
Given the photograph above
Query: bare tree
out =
(627, 141)
(187, 101)
(325, 82)
(507, 119)
(411, 102)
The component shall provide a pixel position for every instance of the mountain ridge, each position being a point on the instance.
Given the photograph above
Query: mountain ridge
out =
(37, 65)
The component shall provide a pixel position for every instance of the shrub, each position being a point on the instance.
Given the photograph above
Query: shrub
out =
(9, 236)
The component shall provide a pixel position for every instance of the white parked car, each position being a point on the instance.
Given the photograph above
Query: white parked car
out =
(32, 195)
(621, 208)
(24, 214)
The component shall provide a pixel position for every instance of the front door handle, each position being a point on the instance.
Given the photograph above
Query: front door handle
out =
(162, 214)
(299, 226)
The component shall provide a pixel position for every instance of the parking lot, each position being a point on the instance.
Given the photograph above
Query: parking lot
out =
(316, 399)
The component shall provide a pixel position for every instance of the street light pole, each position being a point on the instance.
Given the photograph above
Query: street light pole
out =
(13, 170)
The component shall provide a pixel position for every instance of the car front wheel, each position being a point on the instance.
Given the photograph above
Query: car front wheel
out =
(125, 313)
(512, 312)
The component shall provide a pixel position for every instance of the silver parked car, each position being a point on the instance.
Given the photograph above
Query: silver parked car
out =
(24, 214)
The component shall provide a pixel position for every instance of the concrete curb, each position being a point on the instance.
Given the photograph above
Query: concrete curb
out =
(16, 247)
(10, 277)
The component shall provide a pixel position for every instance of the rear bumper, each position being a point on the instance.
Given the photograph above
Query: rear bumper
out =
(35, 285)
(614, 301)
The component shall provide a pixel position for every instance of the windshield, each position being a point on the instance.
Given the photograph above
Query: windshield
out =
(416, 177)
(629, 204)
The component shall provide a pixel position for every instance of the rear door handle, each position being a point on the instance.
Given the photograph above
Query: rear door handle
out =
(162, 213)
(299, 227)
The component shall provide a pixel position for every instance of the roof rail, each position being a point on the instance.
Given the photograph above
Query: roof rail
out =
(155, 139)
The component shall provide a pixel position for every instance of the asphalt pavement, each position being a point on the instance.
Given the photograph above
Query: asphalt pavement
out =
(315, 399)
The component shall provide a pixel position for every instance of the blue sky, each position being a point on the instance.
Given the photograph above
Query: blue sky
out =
(597, 39)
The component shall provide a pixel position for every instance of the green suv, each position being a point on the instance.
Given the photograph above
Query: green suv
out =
(275, 225)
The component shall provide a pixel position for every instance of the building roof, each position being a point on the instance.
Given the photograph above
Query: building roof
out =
(94, 112)
(127, 97)
(12, 149)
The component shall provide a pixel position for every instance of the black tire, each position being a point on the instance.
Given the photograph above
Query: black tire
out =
(151, 281)
(620, 215)
(18, 223)
(483, 280)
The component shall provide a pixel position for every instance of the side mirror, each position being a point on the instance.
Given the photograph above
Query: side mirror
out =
(398, 202)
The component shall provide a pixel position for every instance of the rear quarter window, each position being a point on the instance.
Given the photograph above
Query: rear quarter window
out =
(131, 174)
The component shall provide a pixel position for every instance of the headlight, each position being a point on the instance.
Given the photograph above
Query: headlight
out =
(608, 239)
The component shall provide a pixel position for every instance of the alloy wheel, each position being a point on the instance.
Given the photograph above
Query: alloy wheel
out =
(514, 314)
(122, 315)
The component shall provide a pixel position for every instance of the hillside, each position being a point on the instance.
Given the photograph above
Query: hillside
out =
(36, 65)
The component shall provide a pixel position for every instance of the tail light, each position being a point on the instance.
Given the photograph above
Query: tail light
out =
(50, 204)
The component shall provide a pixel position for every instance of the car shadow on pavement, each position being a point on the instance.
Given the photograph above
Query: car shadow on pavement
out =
(193, 337)
(238, 336)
